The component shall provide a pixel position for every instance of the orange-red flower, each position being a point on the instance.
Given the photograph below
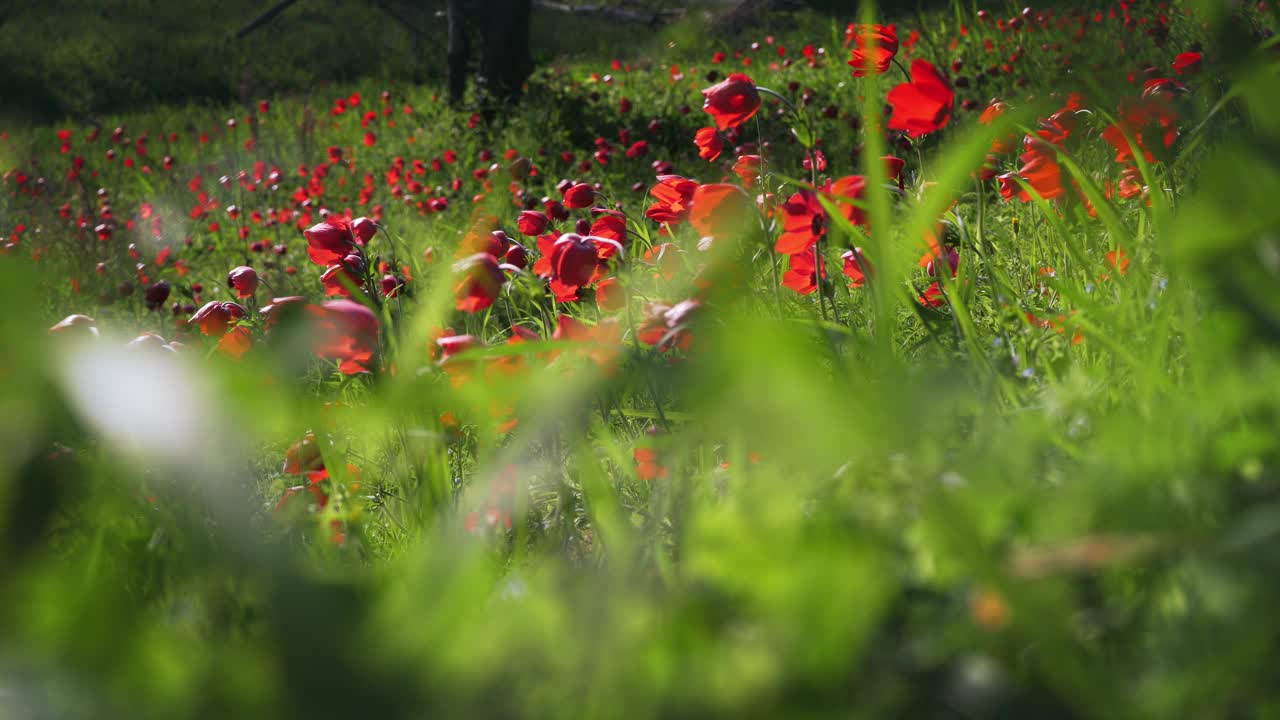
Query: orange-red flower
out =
(1040, 170)
(721, 210)
(804, 219)
(330, 241)
(800, 275)
(574, 262)
(481, 282)
(923, 105)
(731, 101)
(346, 331)
(875, 47)
(857, 267)
(673, 199)
(747, 167)
(710, 143)
(215, 318)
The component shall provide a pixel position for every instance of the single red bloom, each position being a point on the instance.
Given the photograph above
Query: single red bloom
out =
(710, 143)
(800, 275)
(303, 456)
(1040, 170)
(731, 101)
(339, 279)
(648, 466)
(517, 256)
(533, 222)
(923, 105)
(157, 294)
(235, 342)
(579, 195)
(748, 168)
(244, 280)
(857, 267)
(1003, 144)
(850, 188)
(346, 331)
(609, 226)
(610, 295)
(364, 229)
(673, 199)
(893, 167)
(804, 221)
(1119, 259)
(574, 260)
(933, 296)
(721, 211)
(216, 317)
(329, 242)
(876, 46)
(1187, 63)
(481, 282)
(282, 309)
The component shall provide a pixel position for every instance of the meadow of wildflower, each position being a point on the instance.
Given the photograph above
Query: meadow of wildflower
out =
(896, 365)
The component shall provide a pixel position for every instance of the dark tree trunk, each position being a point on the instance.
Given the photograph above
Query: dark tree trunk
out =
(461, 21)
(501, 28)
(505, 59)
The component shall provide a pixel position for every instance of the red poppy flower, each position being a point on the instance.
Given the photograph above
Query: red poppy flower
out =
(610, 296)
(364, 229)
(1003, 144)
(600, 343)
(574, 261)
(329, 242)
(348, 332)
(339, 279)
(1119, 259)
(303, 456)
(235, 342)
(800, 275)
(933, 296)
(648, 466)
(923, 105)
(216, 317)
(893, 167)
(748, 168)
(710, 143)
(721, 211)
(157, 294)
(804, 219)
(673, 199)
(579, 195)
(610, 226)
(876, 46)
(244, 280)
(282, 309)
(731, 101)
(532, 222)
(480, 284)
(1187, 63)
(1040, 170)
(857, 267)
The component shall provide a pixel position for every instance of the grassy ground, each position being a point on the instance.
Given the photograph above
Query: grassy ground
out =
(1038, 481)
